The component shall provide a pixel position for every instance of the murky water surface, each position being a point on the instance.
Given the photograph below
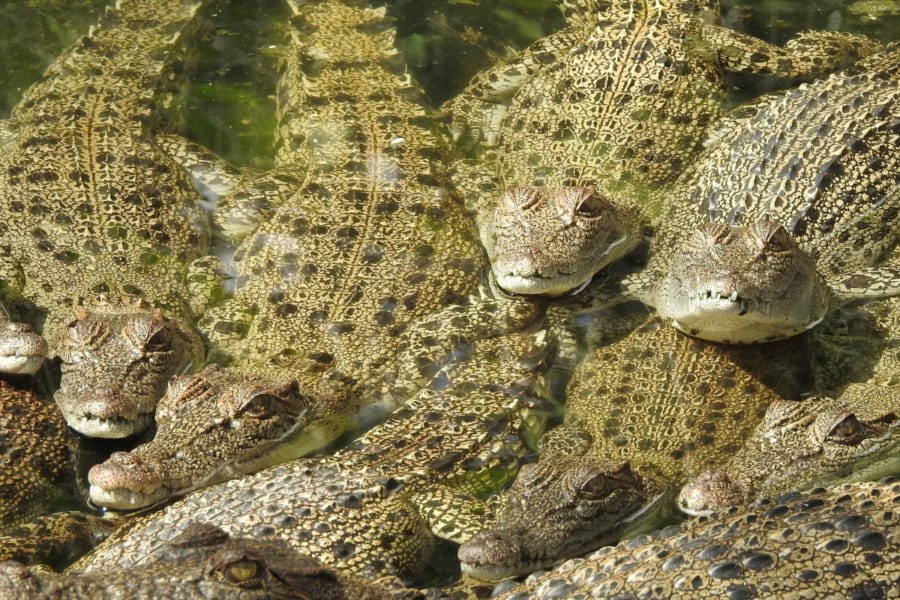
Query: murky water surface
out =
(227, 100)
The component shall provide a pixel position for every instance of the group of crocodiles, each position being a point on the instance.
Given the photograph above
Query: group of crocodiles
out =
(361, 311)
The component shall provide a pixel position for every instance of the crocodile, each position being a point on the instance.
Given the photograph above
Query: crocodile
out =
(202, 561)
(102, 248)
(371, 508)
(361, 236)
(362, 244)
(203, 422)
(837, 542)
(588, 126)
(654, 406)
(34, 447)
(854, 434)
(55, 540)
(787, 213)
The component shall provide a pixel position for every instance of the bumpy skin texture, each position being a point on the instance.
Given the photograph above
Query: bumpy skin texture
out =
(828, 542)
(34, 446)
(370, 239)
(91, 205)
(592, 121)
(796, 191)
(55, 540)
(203, 422)
(368, 508)
(668, 405)
(798, 444)
(201, 562)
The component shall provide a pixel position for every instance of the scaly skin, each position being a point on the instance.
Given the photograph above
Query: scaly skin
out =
(201, 562)
(592, 122)
(54, 540)
(203, 423)
(366, 239)
(839, 542)
(359, 242)
(655, 405)
(369, 507)
(799, 444)
(34, 447)
(787, 214)
(93, 208)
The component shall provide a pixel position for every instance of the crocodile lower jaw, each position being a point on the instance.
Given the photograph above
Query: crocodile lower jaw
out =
(20, 365)
(124, 499)
(730, 323)
(114, 428)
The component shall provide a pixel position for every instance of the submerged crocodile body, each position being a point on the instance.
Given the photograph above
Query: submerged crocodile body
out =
(654, 405)
(368, 508)
(788, 212)
(99, 225)
(201, 562)
(592, 122)
(360, 238)
(34, 447)
(799, 444)
(839, 542)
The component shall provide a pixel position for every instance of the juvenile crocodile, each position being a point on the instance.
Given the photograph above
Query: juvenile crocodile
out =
(201, 562)
(362, 242)
(34, 449)
(100, 226)
(798, 444)
(839, 542)
(656, 406)
(788, 212)
(363, 237)
(370, 507)
(590, 123)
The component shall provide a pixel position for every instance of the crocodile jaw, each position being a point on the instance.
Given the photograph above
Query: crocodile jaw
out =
(728, 320)
(742, 285)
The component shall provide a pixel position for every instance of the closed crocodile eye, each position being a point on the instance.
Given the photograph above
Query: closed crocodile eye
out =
(261, 406)
(846, 430)
(520, 198)
(595, 488)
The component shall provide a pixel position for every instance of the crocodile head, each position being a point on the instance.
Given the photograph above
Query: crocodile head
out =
(203, 561)
(551, 241)
(22, 351)
(116, 357)
(742, 285)
(800, 443)
(558, 508)
(206, 424)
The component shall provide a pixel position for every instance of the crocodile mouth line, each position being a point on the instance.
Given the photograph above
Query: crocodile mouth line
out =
(742, 303)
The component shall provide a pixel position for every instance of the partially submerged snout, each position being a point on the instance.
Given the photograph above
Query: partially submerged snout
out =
(742, 285)
(22, 351)
(211, 426)
(551, 241)
(558, 508)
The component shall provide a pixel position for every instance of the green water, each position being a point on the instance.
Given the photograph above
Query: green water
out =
(228, 105)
